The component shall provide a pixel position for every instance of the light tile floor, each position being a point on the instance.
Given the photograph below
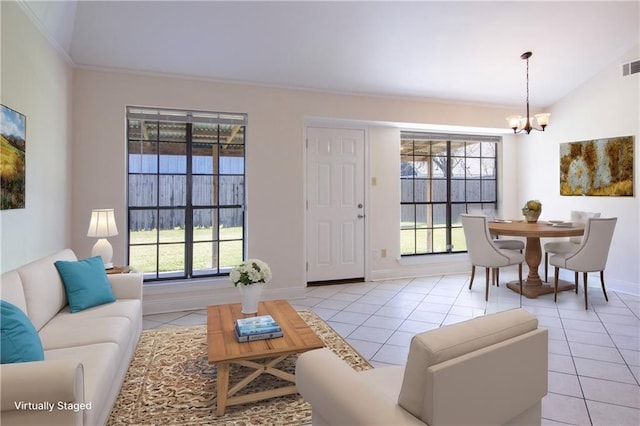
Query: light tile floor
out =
(594, 355)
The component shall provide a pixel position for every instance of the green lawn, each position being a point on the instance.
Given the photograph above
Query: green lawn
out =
(143, 257)
(429, 240)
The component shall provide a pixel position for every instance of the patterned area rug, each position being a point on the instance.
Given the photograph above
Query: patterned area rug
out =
(170, 382)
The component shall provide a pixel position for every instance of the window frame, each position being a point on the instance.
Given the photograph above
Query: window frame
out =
(188, 205)
(412, 206)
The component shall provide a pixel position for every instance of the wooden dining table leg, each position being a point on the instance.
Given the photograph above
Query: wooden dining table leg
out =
(533, 285)
(533, 256)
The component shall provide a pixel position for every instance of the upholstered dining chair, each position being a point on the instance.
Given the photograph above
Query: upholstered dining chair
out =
(590, 256)
(560, 247)
(509, 244)
(484, 252)
(501, 243)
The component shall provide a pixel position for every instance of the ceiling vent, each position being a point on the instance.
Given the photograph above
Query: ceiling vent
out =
(632, 67)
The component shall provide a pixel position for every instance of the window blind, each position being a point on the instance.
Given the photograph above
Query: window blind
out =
(186, 116)
(449, 137)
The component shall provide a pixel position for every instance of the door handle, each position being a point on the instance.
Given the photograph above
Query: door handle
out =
(360, 216)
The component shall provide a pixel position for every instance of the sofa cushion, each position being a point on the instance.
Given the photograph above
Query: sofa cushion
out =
(20, 341)
(85, 283)
(12, 290)
(88, 331)
(43, 288)
(445, 343)
(120, 308)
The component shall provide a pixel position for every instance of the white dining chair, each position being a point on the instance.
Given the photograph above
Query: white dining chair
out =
(560, 247)
(590, 256)
(501, 243)
(484, 252)
(509, 244)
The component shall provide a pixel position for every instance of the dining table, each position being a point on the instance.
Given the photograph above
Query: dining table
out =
(533, 286)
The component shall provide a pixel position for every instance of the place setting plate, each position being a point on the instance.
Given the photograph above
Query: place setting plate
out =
(563, 225)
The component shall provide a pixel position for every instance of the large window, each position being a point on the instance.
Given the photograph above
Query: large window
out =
(186, 192)
(441, 177)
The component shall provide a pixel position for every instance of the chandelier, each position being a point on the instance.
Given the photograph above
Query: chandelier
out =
(528, 123)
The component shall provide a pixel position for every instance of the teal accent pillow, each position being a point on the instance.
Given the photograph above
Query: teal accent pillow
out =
(20, 341)
(85, 283)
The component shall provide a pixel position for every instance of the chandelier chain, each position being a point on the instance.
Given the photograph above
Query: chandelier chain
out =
(528, 123)
(527, 87)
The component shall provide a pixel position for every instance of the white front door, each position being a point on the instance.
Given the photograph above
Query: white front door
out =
(335, 204)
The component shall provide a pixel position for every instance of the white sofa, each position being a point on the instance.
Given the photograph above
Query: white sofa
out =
(490, 370)
(86, 354)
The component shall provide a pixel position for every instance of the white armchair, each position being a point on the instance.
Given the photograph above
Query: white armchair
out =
(490, 370)
(590, 256)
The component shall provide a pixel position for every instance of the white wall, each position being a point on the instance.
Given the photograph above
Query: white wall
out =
(606, 106)
(36, 81)
(275, 162)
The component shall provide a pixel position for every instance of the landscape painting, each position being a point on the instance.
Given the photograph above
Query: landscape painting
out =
(12, 158)
(599, 167)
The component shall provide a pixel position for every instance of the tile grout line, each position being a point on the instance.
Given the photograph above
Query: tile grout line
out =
(637, 382)
(575, 367)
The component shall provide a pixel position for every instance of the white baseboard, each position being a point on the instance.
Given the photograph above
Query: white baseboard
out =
(593, 280)
(620, 286)
(422, 266)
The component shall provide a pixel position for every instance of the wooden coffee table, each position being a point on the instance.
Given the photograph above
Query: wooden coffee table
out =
(261, 355)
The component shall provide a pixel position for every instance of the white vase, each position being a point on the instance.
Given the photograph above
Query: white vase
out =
(250, 295)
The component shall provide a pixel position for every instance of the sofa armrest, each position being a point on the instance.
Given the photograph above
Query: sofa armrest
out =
(126, 286)
(58, 383)
(339, 396)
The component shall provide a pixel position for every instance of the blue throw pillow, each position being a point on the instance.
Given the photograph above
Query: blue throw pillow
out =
(20, 341)
(85, 283)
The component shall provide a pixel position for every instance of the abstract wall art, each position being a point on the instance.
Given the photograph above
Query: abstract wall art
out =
(599, 167)
(12, 158)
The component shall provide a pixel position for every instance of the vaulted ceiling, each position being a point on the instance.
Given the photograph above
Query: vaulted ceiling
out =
(448, 50)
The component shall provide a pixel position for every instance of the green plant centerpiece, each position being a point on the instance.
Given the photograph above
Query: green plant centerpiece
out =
(532, 210)
(250, 276)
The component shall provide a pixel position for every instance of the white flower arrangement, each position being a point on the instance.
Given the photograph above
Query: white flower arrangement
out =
(249, 272)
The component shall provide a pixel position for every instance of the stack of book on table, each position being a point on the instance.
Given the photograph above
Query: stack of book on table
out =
(257, 328)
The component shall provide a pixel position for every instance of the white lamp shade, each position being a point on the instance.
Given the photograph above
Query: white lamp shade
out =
(514, 121)
(542, 119)
(102, 224)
